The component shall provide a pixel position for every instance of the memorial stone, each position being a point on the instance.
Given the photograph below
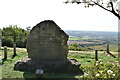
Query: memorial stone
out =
(47, 42)
(47, 50)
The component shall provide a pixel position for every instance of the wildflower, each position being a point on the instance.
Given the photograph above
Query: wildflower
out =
(100, 62)
(85, 74)
(113, 74)
(80, 77)
(97, 75)
(109, 72)
(96, 64)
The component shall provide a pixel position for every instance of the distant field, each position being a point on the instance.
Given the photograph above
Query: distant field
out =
(79, 38)
(94, 39)
(74, 38)
(113, 48)
(79, 42)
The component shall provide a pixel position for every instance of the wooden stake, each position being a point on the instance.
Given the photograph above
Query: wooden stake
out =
(14, 51)
(107, 48)
(96, 55)
(5, 53)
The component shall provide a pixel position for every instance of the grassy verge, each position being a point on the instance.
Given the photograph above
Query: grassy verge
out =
(86, 59)
(7, 66)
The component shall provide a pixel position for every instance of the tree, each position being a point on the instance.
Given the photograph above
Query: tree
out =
(108, 5)
(75, 45)
(14, 35)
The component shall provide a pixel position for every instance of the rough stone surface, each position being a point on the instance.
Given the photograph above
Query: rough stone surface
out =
(66, 66)
(47, 41)
(47, 50)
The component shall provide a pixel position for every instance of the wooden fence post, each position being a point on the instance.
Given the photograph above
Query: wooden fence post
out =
(14, 50)
(108, 51)
(5, 53)
(107, 48)
(96, 55)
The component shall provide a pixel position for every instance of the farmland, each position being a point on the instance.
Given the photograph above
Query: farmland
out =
(94, 39)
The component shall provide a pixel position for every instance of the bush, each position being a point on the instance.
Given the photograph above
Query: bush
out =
(102, 70)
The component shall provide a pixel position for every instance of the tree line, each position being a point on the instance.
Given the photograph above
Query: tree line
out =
(14, 35)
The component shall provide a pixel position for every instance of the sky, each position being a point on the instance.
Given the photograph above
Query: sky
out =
(24, 13)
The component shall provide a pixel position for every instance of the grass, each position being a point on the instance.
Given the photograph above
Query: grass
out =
(113, 48)
(7, 67)
(86, 59)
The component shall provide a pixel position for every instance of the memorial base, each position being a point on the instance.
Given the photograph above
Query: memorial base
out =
(49, 66)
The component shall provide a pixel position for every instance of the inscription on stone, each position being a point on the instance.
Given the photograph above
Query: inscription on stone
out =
(47, 41)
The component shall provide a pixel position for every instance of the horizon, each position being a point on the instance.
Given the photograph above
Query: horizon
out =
(90, 30)
(72, 30)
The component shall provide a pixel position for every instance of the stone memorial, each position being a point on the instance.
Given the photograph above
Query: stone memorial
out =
(47, 41)
(47, 50)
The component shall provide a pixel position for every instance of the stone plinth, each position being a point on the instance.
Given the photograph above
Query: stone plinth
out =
(62, 66)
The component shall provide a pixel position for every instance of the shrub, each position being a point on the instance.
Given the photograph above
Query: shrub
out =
(102, 70)
(76, 47)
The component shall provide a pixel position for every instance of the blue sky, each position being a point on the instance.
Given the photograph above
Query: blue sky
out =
(69, 17)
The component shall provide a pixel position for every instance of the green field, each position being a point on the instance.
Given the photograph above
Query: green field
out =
(85, 58)
(94, 40)
(79, 38)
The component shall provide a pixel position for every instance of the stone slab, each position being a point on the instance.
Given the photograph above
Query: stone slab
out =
(47, 41)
